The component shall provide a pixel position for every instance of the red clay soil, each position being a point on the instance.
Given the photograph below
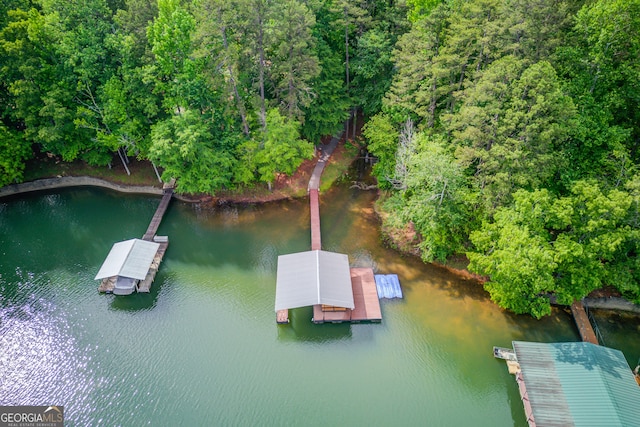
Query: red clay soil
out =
(284, 187)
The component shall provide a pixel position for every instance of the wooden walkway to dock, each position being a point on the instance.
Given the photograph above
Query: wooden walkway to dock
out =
(314, 181)
(157, 217)
(314, 196)
(582, 322)
(314, 204)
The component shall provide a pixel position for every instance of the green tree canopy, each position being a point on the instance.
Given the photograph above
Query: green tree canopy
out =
(562, 246)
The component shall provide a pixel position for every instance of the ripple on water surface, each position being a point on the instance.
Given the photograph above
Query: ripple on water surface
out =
(203, 347)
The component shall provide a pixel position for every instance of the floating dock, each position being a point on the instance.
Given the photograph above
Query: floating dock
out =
(388, 286)
(107, 284)
(365, 299)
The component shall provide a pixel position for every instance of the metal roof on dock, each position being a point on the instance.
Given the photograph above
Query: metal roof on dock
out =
(130, 258)
(578, 384)
(313, 277)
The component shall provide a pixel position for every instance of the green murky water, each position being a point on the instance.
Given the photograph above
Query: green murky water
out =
(203, 348)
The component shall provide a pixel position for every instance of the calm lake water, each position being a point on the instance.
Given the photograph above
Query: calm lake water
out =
(203, 348)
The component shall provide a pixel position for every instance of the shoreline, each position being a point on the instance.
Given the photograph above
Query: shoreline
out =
(400, 241)
(611, 303)
(45, 184)
(74, 181)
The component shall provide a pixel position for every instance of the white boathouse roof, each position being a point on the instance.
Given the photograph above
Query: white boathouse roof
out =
(130, 258)
(313, 277)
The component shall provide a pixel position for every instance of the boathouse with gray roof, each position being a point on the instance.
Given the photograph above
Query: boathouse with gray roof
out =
(313, 277)
(130, 258)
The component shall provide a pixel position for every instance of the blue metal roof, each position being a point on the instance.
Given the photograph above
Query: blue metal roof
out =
(578, 384)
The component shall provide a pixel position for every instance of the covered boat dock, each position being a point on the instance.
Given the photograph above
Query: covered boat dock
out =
(324, 280)
(128, 262)
(133, 264)
(576, 384)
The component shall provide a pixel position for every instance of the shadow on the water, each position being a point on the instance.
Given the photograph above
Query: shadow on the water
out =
(139, 301)
(515, 403)
(235, 234)
(301, 328)
(558, 326)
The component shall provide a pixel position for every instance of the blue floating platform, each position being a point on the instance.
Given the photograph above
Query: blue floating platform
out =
(388, 286)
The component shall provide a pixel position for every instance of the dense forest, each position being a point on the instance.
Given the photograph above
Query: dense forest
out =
(506, 130)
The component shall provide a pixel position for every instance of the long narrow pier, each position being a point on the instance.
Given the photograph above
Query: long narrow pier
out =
(314, 197)
(314, 202)
(157, 217)
(582, 322)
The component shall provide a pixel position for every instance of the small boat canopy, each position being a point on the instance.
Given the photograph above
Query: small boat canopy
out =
(131, 258)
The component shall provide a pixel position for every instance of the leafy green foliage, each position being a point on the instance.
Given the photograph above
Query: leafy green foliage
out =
(505, 129)
(534, 107)
(436, 199)
(567, 246)
(295, 63)
(372, 69)
(329, 108)
(14, 150)
(382, 142)
(183, 145)
(515, 253)
(282, 150)
(509, 127)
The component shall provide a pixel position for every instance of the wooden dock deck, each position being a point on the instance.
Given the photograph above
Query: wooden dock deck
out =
(145, 285)
(582, 322)
(107, 284)
(157, 217)
(365, 299)
(314, 205)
